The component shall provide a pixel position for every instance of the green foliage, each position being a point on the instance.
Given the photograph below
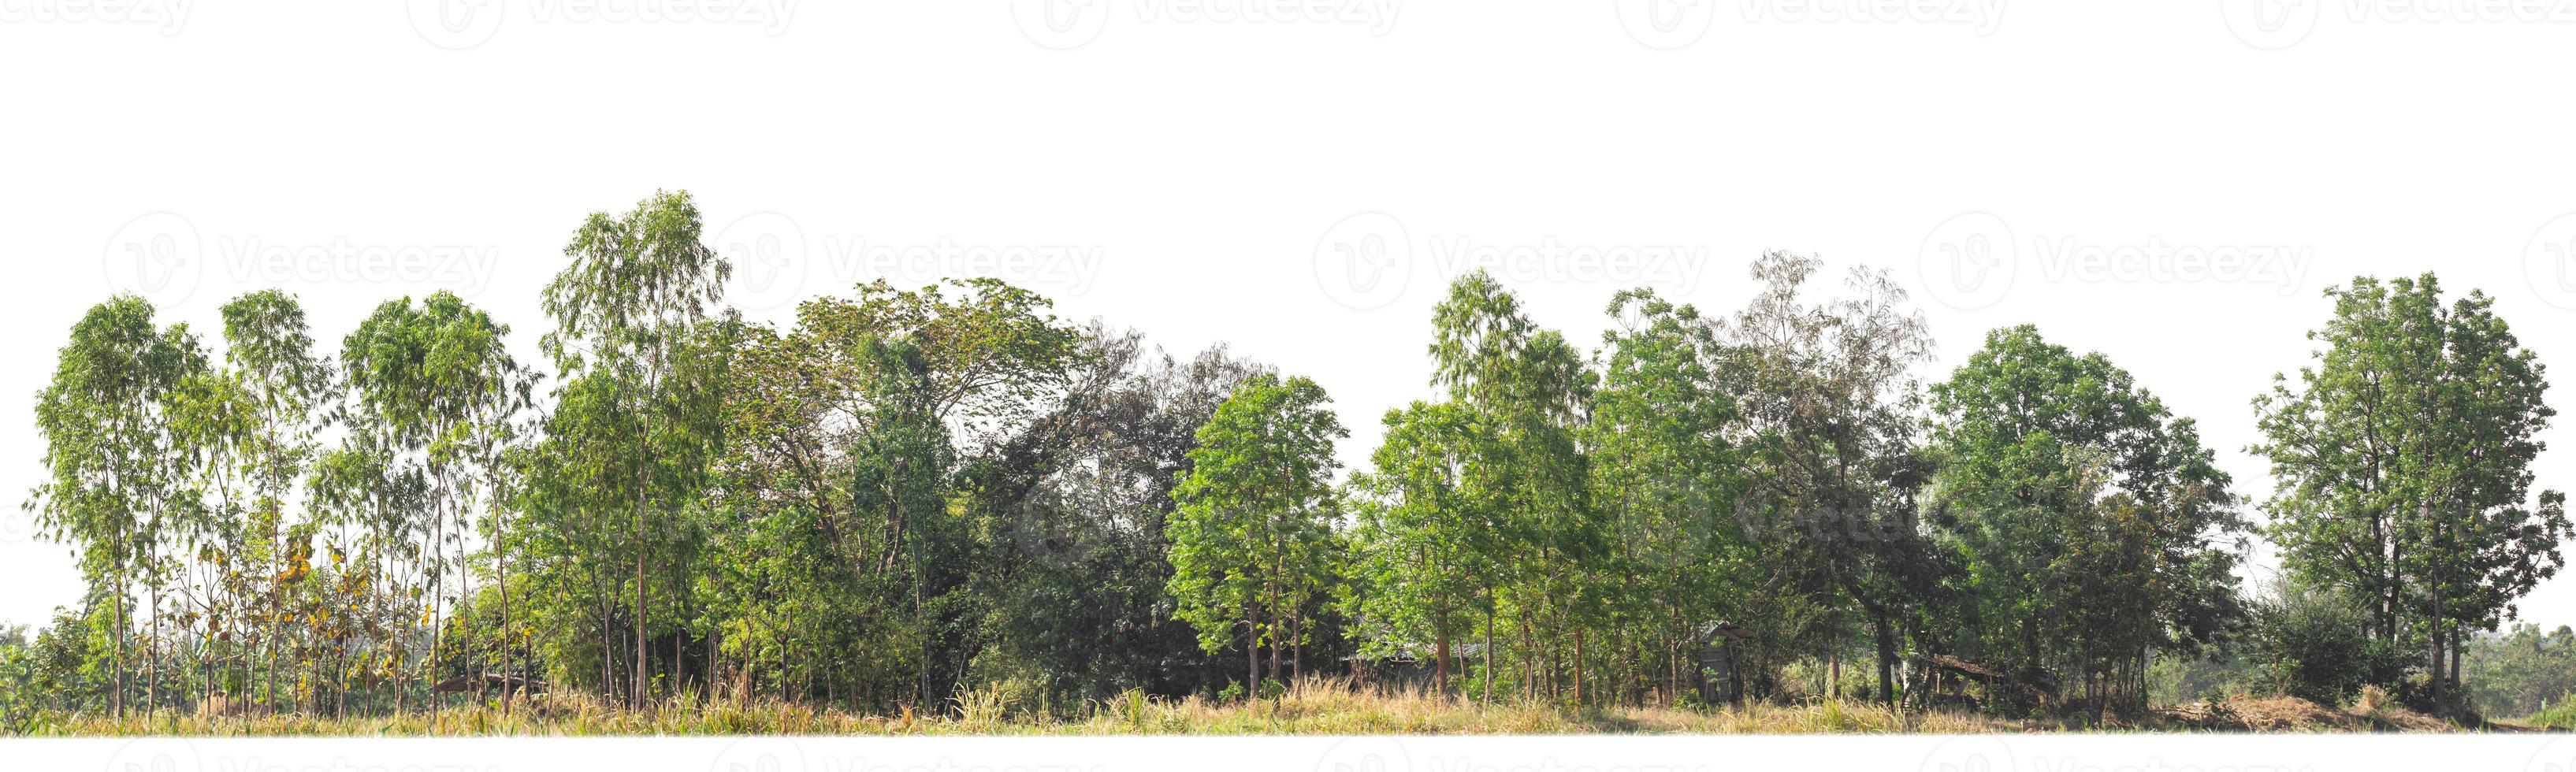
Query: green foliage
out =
(2316, 646)
(2404, 464)
(946, 506)
(2521, 671)
(1252, 543)
(2092, 526)
(1667, 479)
(2559, 714)
(1832, 466)
(1423, 557)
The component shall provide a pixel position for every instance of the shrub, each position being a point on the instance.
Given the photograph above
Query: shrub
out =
(2310, 645)
(2557, 715)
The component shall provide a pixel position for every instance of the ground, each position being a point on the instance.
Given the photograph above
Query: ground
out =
(1314, 711)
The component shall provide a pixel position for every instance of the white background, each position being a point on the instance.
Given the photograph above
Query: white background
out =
(1206, 168)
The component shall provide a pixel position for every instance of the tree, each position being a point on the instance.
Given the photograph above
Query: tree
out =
(637, 285)
(1256, 513)
(2093, 526)
(1084, 554)
(1530, 391)
(1828, 439)
(2403, 459)
(436, 384)
(269, 347)
(1424, 558)
(1666, 477)
(109, 447)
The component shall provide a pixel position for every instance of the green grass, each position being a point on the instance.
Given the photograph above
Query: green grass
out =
(2560, 716)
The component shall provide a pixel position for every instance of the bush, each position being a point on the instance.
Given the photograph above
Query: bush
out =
(2310, 645)
(2559, 715)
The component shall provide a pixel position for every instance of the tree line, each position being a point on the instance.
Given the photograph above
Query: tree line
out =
(908, 493)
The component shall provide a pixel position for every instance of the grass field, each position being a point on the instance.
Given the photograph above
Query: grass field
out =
(1320, 708)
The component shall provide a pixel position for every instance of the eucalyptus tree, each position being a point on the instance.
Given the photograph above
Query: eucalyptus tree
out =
(213, 416)
(369, 506)
(572, 485)
(2094, 527)
(1531, 391)
(269, 348)
(637, 284)
(436, 379)
(2403, 459)
(1255, 518)
(105, 422)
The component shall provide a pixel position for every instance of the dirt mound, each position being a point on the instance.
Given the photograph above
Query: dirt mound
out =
(2283, 714)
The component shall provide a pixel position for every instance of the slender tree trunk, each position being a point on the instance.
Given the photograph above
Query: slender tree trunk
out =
(1489, 655)
(1886, 660)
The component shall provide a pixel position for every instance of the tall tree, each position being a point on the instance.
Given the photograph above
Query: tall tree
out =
(1829, 406)
(108, 443)
(1256, 515)
(2093, 525)
(437, 381)
(1424, 557)
(637, 285)
(1531, 391)
(1665, 475)
(2403, 456)
(269, 347)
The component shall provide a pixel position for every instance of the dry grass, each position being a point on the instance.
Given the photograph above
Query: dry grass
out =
(2374, 712)
(1316, 708)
